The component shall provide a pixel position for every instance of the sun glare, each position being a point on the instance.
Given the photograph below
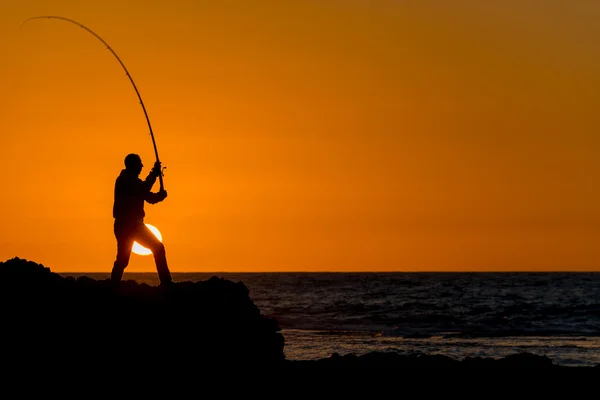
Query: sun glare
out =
(141, 250)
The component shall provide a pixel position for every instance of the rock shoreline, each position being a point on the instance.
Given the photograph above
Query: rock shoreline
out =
(83, 321)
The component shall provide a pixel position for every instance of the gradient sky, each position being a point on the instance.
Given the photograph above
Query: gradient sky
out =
(301, 135)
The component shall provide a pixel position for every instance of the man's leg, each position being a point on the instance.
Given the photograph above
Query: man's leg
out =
(124, 246)
(146, 238)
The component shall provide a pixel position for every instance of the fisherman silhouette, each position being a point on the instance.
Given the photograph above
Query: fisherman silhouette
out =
(128, 211)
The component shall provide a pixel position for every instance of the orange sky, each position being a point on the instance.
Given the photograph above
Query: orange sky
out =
(305, 135)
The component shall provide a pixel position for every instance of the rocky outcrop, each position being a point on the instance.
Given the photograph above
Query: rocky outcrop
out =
(214, 322)
(51, 320)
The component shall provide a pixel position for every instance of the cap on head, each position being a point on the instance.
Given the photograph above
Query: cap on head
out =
(132, 161)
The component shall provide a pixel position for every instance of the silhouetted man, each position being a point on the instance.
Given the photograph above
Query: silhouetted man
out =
(128, 212)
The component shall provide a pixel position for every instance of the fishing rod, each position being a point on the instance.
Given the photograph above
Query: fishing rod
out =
(160, 176)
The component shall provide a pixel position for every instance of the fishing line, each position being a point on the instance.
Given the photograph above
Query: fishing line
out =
(126, 71)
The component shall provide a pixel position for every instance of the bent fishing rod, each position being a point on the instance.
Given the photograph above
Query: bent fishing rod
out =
(160, 176)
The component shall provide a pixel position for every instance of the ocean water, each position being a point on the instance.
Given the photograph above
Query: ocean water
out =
(452, 314)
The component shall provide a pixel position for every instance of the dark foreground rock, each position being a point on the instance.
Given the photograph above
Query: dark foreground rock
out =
(213, 322)
(51, 320)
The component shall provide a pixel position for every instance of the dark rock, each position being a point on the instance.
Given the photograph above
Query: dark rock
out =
(46, 316)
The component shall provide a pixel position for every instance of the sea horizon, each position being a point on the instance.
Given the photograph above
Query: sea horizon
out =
(346, 272)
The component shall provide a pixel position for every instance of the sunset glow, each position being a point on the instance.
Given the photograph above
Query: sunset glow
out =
(307, 135)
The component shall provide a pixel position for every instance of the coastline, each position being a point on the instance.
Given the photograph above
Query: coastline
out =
(211, 323)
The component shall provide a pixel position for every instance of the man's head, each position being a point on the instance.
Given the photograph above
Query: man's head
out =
(133, 163)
